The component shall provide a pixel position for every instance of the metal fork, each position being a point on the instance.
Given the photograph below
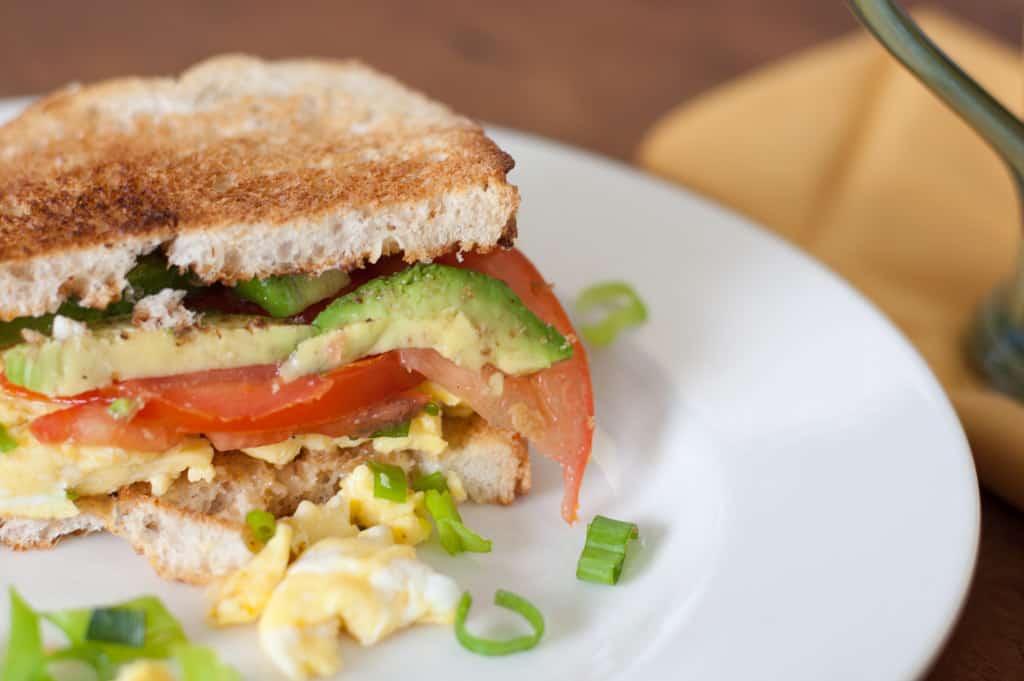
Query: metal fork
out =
(996, 343)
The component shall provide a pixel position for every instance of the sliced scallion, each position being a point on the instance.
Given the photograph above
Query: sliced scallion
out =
(397, 430)
(454, 535)
(199, 663)
(432, 408)
(605, 551)
(599, 566)
(388, 482)
(471, 541)
(24, 657)
(490, 647)
(163, 631)
(261, 525)
(117, 625)
(435, 481)
(124, 408)
(7, 443)
(621, 304)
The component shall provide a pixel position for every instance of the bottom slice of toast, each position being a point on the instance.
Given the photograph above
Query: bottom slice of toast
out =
(194, 532)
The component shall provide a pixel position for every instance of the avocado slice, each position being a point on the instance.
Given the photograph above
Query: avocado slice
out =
(468, 317)
(290, 295)
(119, 351)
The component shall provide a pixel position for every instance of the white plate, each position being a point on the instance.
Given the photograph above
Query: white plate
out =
(807, 499)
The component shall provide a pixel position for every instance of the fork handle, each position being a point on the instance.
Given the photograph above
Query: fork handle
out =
(909, 44)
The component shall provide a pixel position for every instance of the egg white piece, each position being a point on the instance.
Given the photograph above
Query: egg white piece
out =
(366, 585)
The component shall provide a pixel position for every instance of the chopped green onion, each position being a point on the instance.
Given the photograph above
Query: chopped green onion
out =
(471, 541)
(432, 408)
(624, 309)
(7, 443)
(388, 482)
(90, 655)
(162, 630)
(454, 535)
(605, 551)
(599, 566)
(397, 430)
(490, 647)
(199, 663)
(116, 625)
(608, 533)
(261, 524)
(71, 495)
(435, 481)
(24, 658)
(124, 408)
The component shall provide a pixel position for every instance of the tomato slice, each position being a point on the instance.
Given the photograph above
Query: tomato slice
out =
(360, 423)
(561, 398)
(222, 397)
(250, 401)
(24, 393)
(90, 424)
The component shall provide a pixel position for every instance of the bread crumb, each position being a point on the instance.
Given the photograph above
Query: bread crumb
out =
(163, 310)
(32, 337)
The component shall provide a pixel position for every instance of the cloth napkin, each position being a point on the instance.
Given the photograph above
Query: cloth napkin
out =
(844, 154)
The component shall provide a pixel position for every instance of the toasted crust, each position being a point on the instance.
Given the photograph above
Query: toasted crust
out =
(193, 533)
(239, 168)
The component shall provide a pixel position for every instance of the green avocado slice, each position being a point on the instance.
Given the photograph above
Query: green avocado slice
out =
(468, 317)
(118, 351)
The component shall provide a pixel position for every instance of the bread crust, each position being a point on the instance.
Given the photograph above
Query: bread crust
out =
(239, 168)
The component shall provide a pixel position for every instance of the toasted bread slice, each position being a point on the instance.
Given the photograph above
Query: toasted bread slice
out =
(239, 168)
(193, 533)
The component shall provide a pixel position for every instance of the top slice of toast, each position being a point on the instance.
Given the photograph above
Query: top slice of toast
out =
(238, 168)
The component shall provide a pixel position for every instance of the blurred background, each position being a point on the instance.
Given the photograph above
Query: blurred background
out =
(595, 74)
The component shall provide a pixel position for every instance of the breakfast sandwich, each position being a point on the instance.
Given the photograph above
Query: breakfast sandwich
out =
(227, 291)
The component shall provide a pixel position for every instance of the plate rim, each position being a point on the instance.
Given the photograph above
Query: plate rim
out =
(892, 331)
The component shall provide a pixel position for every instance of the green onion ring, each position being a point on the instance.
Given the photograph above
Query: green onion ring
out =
(434, 481)
(490, 647)
(388, 482)
(261, 524)
(625, 309)
(117, 625)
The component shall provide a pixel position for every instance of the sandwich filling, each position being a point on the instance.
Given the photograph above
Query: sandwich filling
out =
(151, 387)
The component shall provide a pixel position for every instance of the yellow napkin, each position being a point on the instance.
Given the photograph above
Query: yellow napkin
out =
(843, 153)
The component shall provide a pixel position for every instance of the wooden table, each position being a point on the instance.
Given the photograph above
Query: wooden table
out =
(592, 73)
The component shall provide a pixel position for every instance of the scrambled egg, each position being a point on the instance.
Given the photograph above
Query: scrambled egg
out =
(365, 584)
(35, 479)
(425, 435)
(145, 670)
(406, 519)
(285, 451)
(243, 595)
(313, 522)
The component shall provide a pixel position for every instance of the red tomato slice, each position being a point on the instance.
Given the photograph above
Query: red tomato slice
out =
(254, 399)
(221, 397)
(562, 397)
(238, 401)
(360, 423)
(90, 424)
(24, 393)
